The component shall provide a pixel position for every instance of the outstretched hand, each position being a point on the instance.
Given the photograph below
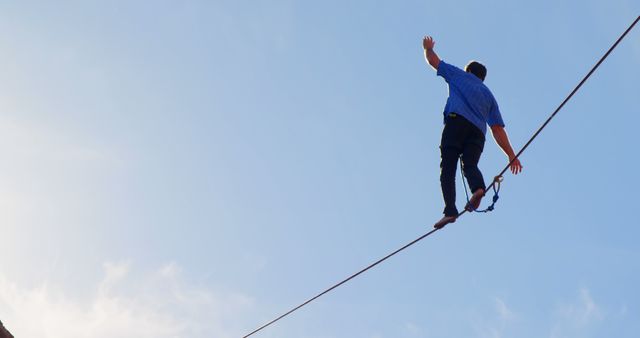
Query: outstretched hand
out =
(515, 166)
(428, 43)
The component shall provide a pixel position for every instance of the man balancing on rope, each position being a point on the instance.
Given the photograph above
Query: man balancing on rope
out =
(469, 108)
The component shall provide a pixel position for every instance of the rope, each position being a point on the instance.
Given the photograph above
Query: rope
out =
(491, 186)
(344, 281)
(496, 190)
(564, 102)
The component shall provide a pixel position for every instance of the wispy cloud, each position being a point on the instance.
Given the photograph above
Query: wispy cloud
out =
(493, 324)
(155, 304)
(503, 311)
(575, 318)
(414, 330)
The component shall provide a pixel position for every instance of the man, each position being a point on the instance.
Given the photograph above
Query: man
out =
(469, 108)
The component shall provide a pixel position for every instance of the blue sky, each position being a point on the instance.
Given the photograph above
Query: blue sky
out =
(196, 168)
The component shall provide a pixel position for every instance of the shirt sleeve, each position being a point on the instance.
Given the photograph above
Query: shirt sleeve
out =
(447, 71)
(495, 118)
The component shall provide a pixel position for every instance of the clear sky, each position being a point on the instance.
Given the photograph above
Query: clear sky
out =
(196, 168)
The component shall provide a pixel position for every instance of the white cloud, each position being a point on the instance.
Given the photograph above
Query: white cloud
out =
(494, 324)
(573, 319)
(414, 330)
(503, 311)
(584, 311)
(156, 304)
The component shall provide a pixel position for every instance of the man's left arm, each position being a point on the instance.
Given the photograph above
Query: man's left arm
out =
(500, 135)
(429, 54)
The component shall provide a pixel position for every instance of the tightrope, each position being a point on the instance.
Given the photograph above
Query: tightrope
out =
(464, 211)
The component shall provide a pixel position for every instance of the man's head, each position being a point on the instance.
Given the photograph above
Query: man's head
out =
(477, 69)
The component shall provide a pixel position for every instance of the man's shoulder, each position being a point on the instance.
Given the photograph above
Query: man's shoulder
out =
(488, 93)
(448, 70)
(447, 66)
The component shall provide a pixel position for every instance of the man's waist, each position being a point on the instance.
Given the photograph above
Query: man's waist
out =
(455, 116)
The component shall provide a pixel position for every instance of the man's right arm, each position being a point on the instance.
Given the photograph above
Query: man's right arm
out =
(500, 135)
(429, 54)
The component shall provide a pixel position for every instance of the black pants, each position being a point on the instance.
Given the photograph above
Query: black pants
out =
(460, 139)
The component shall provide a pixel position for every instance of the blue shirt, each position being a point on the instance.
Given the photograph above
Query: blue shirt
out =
(469, 97)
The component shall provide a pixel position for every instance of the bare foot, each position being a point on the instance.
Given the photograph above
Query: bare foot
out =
(474, 202)
(444, 221)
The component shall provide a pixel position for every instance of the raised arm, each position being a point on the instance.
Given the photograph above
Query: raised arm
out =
(429, 54)
(500, 135)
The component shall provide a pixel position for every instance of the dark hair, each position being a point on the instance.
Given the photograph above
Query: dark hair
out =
(477, 69)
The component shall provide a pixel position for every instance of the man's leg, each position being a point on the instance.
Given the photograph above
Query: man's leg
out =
(450, 149)
(470, 158)
(448, 165)
(451, 145)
